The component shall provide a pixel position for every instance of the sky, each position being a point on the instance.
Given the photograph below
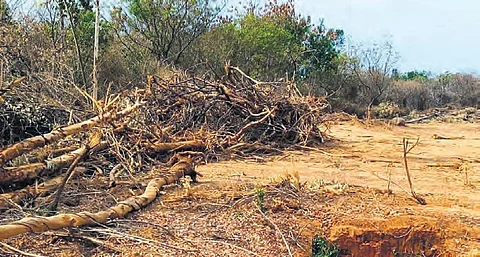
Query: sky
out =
(432, 35)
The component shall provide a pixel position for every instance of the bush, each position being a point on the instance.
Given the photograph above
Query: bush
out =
(322, 248)
(411, 95)
(386, 110)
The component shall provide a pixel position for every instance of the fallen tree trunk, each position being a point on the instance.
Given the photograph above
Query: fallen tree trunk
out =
(422, 118)
(33, 170)
(32, 192)
(42, 224)
(29, 144)
(159, 147)
(52, 153)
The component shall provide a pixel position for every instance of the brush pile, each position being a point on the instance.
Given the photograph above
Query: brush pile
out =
(236, 110)
(167, 124)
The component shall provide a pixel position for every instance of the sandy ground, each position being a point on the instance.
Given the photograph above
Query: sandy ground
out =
(338, 192)
(447, 169)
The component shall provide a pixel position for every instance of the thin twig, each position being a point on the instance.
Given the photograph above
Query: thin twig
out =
(277, 229)
(94, 141)
(406, 150)
(150, 242)
(53, 206)
(75, 40)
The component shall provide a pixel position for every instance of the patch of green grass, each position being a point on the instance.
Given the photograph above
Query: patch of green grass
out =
(260, 198)
(322, 248)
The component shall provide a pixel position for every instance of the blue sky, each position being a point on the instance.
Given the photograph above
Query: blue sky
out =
(433, 35)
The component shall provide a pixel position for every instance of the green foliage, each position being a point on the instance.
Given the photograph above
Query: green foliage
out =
(321, 248)
(271, 42)
(321, 48)
(414, 75)
(267, 47)
(166, 28)
(268, 42)
(75, 7)
(85, 28)
(260, 198)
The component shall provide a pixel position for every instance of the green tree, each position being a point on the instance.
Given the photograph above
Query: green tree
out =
(265, 48)
(322, 47)
(166, 28)
(271, 42)
(415, 75)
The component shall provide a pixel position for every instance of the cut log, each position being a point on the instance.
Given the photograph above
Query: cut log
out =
(159, 147)
(42, 224)
(32, 143)
(52, 153)
(33, 170)
(422, 118)
(31, 192)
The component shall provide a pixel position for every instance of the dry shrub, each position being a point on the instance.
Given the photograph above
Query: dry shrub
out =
(386, 110)
(465, 89)
(410, 95)
(121, 64)
(47, 94)
(235, 111)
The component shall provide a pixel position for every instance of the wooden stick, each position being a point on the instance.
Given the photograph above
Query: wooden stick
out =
(278, 230)
(32, 143)
(406, 150)
(42, 224)
(421, 118)
(33, 170)
(69, 173)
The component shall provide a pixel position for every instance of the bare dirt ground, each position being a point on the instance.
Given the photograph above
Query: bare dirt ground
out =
(338, 192)
(447, 169)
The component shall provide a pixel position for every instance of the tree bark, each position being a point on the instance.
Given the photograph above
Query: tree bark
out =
(32, 143)
(160, 147)
(29, 192)
(42, 224)
(33, 170)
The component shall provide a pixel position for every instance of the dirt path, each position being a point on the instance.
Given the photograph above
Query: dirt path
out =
(366, 156)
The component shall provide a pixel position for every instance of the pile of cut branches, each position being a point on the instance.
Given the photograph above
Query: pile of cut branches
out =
(237, 109)
(163, 127)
